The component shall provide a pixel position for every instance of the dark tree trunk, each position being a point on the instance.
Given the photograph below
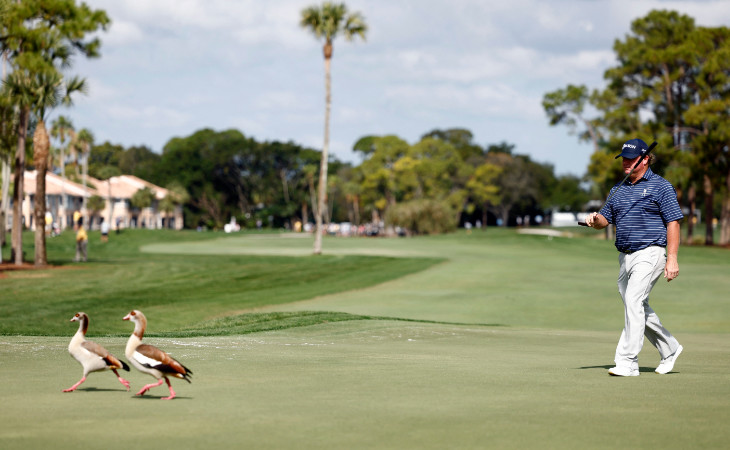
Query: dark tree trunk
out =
(18, 194)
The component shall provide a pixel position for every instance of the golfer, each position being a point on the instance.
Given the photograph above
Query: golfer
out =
(646, 214)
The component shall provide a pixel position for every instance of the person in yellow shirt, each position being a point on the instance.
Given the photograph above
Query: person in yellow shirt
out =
(81, 240)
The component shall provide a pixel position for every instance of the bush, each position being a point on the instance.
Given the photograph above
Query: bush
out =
(422, 216)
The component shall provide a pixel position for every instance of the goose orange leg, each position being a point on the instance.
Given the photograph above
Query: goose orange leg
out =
(147, 387)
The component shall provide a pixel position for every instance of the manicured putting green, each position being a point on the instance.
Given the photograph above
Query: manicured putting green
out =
(372, 384)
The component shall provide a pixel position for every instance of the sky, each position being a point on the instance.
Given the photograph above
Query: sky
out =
(172, 67)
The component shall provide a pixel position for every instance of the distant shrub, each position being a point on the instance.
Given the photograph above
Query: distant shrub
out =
(422, 216)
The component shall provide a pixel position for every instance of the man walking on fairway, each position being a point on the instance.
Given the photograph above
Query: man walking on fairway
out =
(646, 214)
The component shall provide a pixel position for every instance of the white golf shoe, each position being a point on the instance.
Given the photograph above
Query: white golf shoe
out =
(621, 371)
(668, 364)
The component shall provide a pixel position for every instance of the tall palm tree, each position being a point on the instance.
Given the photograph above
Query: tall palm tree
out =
(84, 142)
(327, 22)
(8, 119)
(18, 88)
(49, 91)
(62, 128)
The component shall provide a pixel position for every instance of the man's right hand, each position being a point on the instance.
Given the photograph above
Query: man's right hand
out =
(597, 221)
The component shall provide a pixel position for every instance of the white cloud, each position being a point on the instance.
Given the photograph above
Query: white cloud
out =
(148, 116)
(171, 67)
(121, 33)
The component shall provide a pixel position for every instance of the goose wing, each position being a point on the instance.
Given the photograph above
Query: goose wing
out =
(154, 358)
(104, 354)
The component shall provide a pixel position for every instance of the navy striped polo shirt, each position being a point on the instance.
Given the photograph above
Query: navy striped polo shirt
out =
(641, 212)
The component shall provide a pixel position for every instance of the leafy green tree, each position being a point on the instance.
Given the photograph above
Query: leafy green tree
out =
(221, 171)
(517, 183)
(327, 22)
(379, 187)
(176, 196)
(141, 162)
(670, 84)
(711, 116)
(107, 155)
(423, 216)
(462, 140)
(441, 173)
(95, 205)
(352, 191)
(142, 199)
(567, 194)
(567, 107)
(483, 189)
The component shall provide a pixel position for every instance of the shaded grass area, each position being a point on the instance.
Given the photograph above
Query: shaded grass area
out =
(174, 291)
(241, 324)
(248, 323)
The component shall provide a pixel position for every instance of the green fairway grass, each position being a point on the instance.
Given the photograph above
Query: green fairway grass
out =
(491, 339)
(175, 290)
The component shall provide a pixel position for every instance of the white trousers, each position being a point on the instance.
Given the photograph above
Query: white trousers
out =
(638, 273)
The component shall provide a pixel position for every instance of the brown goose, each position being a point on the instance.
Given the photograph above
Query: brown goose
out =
(152, 360)
(92, 356)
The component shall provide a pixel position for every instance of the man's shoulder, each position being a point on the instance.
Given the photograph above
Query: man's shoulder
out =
(658, 179)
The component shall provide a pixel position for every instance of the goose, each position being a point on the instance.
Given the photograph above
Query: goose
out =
(92, 356)
(151, 360)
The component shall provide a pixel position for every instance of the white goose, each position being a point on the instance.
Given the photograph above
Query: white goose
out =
(152, 360)
(92, 356)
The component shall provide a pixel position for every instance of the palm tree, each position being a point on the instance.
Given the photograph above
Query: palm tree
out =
(142, 199)
(96, 204)
(48, 91)
(61, 128)
(84, 142)
(8, 124)
(18, 88)
(177, 195)
(328, 21)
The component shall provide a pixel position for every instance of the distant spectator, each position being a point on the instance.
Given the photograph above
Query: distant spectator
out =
(82, 240)
(49, 223)
(104, 230)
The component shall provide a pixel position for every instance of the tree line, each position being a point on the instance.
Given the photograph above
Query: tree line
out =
(430, 186)
(671, 84)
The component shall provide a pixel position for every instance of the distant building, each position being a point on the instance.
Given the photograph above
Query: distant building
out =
(121, 189)
(64, 197)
